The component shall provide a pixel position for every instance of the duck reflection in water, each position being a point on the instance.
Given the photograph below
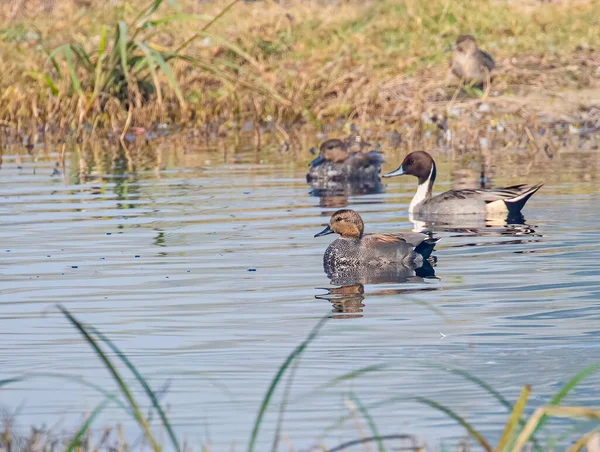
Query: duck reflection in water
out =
(347, 300)
(337, 173)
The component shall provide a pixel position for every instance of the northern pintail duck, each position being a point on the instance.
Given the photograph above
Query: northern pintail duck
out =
(336, 162)
(355, 249)
(469, 62)
(501, 200)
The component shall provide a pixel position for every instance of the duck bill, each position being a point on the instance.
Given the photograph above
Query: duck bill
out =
(325, 231)
(398, 172)
(317, 161)
(450, 48)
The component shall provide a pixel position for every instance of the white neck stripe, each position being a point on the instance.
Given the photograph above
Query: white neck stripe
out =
(423, 192)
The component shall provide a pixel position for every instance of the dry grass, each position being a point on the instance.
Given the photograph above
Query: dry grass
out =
(296, 66)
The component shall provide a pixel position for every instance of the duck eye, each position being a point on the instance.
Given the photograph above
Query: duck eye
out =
(411, 161)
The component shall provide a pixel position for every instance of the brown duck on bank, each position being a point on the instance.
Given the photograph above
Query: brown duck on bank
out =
(336, 163)
(469, 62)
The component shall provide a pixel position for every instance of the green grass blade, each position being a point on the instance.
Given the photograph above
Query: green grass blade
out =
(369, 419)
(58, 50)
(102, 43)
(257, 84)
(468, 427)
(152, 67)
(8, 381)
(142, 382)
(283, 406)
(221, 14)
(207, 26)
(342, 419)
(116, 376)
(166, 68)
(341, 378)
(98, 73)
(80, 52)
(65, 50)
(265, 403)
(76, 441)
(233, 47)
(513, 418)
(50, 84)
(479, 382)
(52, 58)
(574, 381)
(45, 79)
(334, 381)
(178, 18)
(74, 79)
(140, 20)
(564, 391)
(122, 45)
(486, 387)
(352, 375)
(71, 378)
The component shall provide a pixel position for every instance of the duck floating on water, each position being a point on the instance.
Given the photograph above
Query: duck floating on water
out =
(483, 202)
(356, 250)
(336, 163)
(469, 62)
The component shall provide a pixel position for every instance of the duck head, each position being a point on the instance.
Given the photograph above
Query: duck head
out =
(418, 164)
(466, 44)
(333, 150)
(345, 222)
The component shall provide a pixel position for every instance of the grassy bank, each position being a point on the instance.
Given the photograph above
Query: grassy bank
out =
(234, 67)
(521, 431)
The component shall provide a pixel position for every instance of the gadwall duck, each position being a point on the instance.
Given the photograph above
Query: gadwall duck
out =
(335, 162)
(469, 62)
(483, 202)
(356, 250)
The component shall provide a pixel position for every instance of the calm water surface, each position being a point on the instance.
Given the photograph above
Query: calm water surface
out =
(207, 275)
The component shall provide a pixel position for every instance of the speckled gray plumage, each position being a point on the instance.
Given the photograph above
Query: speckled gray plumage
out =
(326, 188)
(358, 166)
(344, 276)
(371, 252)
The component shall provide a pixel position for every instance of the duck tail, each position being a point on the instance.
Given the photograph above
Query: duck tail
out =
(515, 204)
(425, 248)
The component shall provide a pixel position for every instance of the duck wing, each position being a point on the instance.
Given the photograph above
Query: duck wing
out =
(488, 194)
(412, 241)
(486, 59)
(382, 239)
(412, 238)
(364, 159)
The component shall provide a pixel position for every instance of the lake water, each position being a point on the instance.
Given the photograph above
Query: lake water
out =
(206, 274)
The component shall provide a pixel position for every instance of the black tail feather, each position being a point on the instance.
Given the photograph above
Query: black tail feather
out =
(425, 248)
(517, 203)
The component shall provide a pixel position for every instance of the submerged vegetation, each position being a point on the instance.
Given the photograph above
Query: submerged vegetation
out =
(72, 67)
(519, 432)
